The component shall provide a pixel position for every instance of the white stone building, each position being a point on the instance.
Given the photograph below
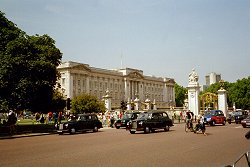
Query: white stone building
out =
(123, 84)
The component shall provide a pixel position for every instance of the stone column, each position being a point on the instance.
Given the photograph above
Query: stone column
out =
(222, 99)
(69, 85)
(126, 88)
(193, 93)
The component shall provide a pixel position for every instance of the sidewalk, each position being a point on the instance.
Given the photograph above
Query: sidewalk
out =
(3, 136)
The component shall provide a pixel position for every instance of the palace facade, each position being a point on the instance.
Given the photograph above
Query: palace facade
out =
(123, 84)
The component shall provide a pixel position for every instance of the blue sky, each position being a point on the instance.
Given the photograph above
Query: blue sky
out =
(164, 38)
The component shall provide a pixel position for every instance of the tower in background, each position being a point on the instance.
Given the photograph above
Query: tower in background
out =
(212, 78)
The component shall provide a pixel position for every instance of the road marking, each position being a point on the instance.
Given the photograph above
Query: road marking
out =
(238, 127)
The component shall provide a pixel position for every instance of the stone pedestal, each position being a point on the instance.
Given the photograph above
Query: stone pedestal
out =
(222, 101)
(193, 93)
(193, 99)
(154, 105)
(107, 101)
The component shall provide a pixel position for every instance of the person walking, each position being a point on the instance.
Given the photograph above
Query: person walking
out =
(12, 119)
(104, 119)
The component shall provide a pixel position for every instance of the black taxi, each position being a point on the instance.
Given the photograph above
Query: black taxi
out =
(82, 123)
(149, 121)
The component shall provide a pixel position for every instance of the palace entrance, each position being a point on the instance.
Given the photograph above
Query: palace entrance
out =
(209, 101)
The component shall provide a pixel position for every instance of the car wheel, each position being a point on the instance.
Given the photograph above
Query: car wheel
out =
(212, 123)
(60, 133)
(95, 129)
(72, 131)
(224, 122)
(244, 126)
(117, 127)
(166, 128)
(146, 130)
(132, 132)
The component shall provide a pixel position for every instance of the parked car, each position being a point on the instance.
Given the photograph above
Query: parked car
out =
(82, 123)
(246, 122)
(238, 116)
(126, 118)
(150, 121)
(213, 117)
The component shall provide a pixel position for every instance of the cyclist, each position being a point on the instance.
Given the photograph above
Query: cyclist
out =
(189, 118)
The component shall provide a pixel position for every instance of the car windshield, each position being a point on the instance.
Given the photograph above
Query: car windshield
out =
(127, 116)
(134, 115)
(143, 116)
(209, 113)
(238, 113)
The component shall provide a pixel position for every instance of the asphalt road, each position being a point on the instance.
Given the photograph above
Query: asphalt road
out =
(117, 147)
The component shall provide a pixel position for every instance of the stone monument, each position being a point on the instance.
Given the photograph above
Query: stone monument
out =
(222, 99)
(107, 100)
(193, 93)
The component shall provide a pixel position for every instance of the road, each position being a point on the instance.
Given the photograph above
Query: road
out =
(117, 147)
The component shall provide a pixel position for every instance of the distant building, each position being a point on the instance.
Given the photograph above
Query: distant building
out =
(212, 78)
(123, 84)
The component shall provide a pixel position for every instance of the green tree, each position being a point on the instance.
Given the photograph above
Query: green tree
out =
(86, 104)
(58, 101)
(28, 71)
(180, 95)
(239, 93)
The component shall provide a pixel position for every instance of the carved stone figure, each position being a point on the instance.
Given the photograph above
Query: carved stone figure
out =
(193, 76)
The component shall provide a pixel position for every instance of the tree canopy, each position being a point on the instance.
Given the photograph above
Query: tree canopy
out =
(180, 95)
(239, 93)
(28, 71)
(86, 104)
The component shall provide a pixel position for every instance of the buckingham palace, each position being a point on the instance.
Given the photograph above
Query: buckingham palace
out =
(124, 84)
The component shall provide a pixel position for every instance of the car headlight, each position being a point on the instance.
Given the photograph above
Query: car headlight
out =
(66, 125)
(140, 123)
(243, 121)
(208, 119)
(128, 123)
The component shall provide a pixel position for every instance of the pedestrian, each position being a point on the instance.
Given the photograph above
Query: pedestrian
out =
(55, 117)
(104, 119)
(60, 117)
(12, 119)
(50, 115)
(41, 119)
(37, 117)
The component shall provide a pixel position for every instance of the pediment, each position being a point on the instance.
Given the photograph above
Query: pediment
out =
(135, 75)
(170, 81)
(81, 67)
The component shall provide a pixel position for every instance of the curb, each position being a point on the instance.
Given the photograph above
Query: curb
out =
(25, 135)
(34, 134)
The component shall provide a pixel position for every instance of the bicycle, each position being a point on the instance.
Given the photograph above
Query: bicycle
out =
(189, 126)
